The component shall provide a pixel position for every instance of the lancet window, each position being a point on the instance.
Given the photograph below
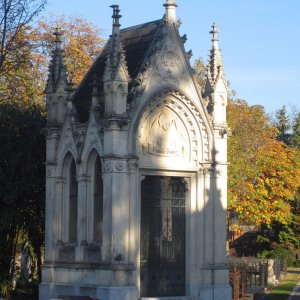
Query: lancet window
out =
(98, 201)
(73, 202)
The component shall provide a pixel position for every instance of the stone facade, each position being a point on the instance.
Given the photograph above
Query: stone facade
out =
(138, 117)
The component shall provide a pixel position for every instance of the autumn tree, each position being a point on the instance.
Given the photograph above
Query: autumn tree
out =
(264, 174)
(82, 43)
(15, 16)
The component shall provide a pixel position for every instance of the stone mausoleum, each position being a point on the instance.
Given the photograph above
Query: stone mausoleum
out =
(137, 171)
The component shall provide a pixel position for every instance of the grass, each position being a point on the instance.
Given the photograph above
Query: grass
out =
(284, 289)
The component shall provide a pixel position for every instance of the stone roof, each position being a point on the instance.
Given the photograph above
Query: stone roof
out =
(136, 41)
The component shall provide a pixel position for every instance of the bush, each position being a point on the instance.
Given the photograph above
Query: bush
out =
(296, 263)
(277, 252)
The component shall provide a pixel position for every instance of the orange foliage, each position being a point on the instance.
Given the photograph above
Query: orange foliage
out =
(82, 42)
(26, 82)
(264, 174)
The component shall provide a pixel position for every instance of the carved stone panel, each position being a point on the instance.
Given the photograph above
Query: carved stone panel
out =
(172, 133)
(164, 135)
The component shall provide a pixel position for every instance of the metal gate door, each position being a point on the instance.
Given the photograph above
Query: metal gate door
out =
(163, 236)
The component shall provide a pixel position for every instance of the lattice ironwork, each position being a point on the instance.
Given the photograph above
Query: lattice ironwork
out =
(163, 236)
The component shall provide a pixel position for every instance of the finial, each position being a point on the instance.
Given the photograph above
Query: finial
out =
(215, 31)
(116, 18)
(215, 68)
(58, 41)
(170, 6)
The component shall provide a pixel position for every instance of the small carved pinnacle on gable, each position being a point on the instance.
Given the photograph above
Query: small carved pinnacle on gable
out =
(184, 39)
(58, 74)
(189, 54)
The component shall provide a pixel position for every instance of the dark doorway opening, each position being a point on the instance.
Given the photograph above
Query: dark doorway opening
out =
(163, 202)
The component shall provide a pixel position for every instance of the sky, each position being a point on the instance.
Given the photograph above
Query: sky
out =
(260, 39)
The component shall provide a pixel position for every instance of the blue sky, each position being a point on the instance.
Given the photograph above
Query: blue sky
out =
(260, 39)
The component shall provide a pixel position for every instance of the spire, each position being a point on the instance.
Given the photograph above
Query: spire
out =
(115, 38)
(170, 6)
(57, 70)
(215, 67)
(58, 41)
(116, 56)
(116, 19)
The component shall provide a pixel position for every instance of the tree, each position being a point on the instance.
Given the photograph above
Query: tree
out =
(82, 42)
(15, 15)
(24, 83)
(295, 137)
(21, 177)
(264, 174)
(283, 125)
(200, 71)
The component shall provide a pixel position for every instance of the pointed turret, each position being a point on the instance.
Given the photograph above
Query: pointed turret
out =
(215, 67)
(215, 85)
(58, 84)
(170, 6)
(116, 77)
(58, 75)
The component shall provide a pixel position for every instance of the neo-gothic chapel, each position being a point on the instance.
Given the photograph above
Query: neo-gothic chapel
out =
(137, 171)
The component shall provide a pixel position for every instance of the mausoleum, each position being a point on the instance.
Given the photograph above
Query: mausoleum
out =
(137, 171)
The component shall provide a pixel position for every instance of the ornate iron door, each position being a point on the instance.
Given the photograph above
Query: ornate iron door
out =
(163, 236)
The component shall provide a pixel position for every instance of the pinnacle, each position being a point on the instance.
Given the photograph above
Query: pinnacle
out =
(57, 70)
(215, 67)
(116, 54)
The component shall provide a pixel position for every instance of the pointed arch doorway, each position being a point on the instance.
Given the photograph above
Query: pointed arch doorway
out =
(163, 236)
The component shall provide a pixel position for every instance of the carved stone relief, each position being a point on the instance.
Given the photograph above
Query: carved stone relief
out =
(107, 166)
(132, 166)
(165, 136)
(49, 171)
(171, 121)
(115, 165)
(163, 64)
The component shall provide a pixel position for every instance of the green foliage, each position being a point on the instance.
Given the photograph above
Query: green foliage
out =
(200, 71)
(5, 288)
(296, 263)
(29, 292)
(295, 137)
(278, 252)
(283, 125)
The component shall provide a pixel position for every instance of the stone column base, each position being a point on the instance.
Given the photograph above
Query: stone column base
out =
(216, 292)
(75, 292)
